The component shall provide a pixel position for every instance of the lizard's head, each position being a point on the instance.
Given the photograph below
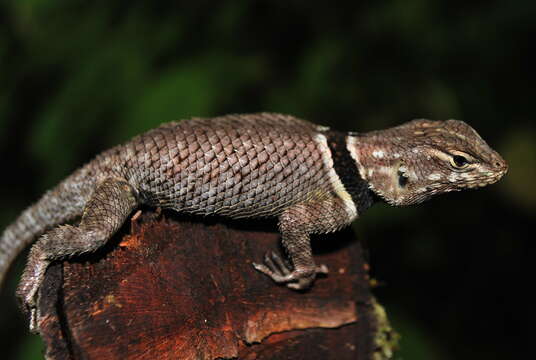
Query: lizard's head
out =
(412, 162)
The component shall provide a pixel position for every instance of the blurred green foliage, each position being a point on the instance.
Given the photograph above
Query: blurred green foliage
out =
(77, 77)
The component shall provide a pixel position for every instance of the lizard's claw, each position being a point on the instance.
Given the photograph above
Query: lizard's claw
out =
(280, 271)
(28, 292)
(34, 315)
(29, 303)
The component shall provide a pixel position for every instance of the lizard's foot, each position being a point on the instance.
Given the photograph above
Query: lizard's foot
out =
(28, 298)
(279, 271)
(28, 289)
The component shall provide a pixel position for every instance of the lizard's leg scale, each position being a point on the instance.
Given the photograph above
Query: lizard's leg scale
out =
(104, 213)
(296, 223)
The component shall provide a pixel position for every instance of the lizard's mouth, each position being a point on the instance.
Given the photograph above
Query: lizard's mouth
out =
(488, 178)
(486, 174)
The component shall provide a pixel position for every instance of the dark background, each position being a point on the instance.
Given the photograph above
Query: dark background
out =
(77, 77)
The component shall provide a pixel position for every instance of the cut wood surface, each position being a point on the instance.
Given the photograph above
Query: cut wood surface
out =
(169, 287)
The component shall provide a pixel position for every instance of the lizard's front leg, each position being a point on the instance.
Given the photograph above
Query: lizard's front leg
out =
(104, 213)
(296, 224)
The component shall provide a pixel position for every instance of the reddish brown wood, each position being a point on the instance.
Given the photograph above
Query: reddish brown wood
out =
(177, 288)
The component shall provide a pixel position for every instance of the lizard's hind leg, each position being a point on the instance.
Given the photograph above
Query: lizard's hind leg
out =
(110, 204)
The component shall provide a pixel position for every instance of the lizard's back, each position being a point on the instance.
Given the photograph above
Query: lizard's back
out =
(233, 165)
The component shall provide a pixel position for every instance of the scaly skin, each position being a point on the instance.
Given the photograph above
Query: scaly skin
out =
(259, 165)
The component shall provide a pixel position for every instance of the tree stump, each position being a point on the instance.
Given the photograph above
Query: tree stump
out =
(174, 287)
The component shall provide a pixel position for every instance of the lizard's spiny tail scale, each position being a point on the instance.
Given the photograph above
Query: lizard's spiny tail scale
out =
(57, 206)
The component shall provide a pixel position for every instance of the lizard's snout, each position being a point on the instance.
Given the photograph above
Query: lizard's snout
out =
(501, 166)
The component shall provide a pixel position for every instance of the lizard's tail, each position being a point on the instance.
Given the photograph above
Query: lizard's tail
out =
(63, 203)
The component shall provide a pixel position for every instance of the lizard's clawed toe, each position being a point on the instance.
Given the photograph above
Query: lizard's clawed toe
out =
(34, 316)
(276, 264)
(281, 272)
(322, 269)
(29, 306)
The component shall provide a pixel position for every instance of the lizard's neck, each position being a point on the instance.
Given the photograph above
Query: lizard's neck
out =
(348, 171)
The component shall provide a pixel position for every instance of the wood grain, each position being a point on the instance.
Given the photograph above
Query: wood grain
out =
(184, 288)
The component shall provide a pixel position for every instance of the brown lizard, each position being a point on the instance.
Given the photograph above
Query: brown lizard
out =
(313, 179)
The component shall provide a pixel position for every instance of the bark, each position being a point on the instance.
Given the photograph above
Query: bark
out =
(184, 288)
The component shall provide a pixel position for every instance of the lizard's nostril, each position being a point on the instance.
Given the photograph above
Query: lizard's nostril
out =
(501, 166)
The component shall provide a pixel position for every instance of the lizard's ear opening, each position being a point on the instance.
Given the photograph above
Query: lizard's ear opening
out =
(402, 179)
(402, 176)
(400, 185)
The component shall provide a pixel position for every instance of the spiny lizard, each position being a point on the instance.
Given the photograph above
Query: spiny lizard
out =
(313, 179)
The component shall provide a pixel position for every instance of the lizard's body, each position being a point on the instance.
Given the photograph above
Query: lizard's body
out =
(260, 165)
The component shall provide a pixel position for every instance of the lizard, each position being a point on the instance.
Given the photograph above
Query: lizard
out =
(313, 179)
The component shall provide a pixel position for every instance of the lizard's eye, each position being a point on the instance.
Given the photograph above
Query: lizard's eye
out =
(459, 161)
